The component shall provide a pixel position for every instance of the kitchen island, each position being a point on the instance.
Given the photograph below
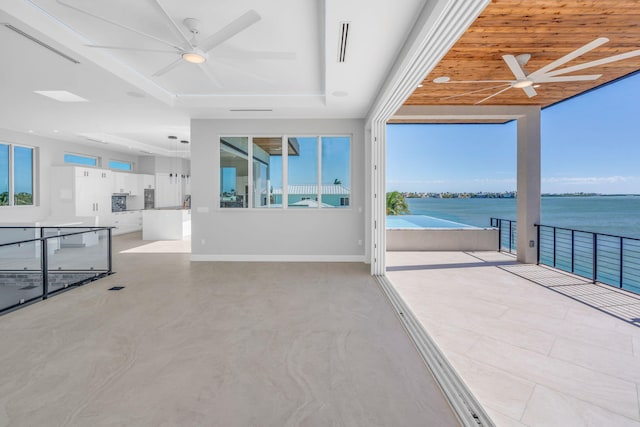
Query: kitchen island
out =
(166, 224)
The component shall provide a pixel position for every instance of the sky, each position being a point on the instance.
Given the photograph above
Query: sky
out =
(590, 143)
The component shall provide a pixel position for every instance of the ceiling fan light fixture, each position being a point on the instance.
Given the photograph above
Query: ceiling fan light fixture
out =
(522, 84)
(193, 57)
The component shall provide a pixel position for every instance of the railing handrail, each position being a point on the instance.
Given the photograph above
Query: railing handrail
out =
(600, 257)
(588, 232)
(91, 230)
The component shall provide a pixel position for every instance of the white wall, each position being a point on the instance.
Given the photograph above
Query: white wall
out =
(50, 152)
(276, 234)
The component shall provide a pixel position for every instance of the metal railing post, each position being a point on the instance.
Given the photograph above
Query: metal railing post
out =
(554, 246)
(499, 224)
(538, 248)
(109, 259)
(621, 252)
(45, 268)
(573, 250)
(595, 257)
(510, 236)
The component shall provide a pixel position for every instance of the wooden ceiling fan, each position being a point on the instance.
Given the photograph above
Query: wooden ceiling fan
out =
(547, 74)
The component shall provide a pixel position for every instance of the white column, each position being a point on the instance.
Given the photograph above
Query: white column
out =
(528, 203)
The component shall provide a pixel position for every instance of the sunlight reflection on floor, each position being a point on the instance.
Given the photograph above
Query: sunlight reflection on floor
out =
(162, 246)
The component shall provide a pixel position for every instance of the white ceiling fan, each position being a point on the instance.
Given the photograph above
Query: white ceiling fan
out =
(191, 49)
(547, 74)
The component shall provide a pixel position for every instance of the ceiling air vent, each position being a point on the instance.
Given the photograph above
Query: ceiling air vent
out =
(41, 43)
(344, 35)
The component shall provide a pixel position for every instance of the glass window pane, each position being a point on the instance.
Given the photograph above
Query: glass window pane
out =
(80, 160)
(336, 171)
(234, 172)
(123, 166)
(22, 176)
(303, 172)
(267, 172)
(4, 175)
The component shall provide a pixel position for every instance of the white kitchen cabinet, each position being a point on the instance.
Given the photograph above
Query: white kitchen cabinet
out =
(126, 183)
(80, 191)
(168, 190)
(148, 181)
(127, 222)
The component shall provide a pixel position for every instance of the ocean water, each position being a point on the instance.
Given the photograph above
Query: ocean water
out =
(617, 215)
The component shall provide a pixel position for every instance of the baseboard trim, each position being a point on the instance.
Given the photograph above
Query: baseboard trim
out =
(278, 258)
(464, 404)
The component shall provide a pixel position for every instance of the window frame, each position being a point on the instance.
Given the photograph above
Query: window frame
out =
(11, 175)
(285, 170)
(124, 162)
(85, 156)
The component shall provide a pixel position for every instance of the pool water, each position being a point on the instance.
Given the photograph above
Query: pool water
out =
(400, 222)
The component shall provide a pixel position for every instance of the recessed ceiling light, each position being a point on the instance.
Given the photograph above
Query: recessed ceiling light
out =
(193, 57)
(61, 95)
(30, 131)
(56, 131)
(420, 85)
(442, 79)
(536, 86)
(340, 93)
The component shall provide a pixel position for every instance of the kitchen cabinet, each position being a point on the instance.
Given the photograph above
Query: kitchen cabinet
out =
(126, 183)
(148, 181)
(79, 191)
(127, 222)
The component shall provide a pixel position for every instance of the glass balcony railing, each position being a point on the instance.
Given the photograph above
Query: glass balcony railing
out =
(37, 262)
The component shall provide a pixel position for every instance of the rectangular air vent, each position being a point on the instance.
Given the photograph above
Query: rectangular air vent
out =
(41, 43)
(344, 35)
(244, 110)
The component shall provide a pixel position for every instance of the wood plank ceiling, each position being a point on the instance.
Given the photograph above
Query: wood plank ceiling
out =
(545, 29)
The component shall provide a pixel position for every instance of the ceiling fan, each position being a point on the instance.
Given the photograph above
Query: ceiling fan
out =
(547, 74)
(191, 50)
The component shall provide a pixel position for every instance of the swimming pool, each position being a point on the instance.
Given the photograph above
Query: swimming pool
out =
(403, 222)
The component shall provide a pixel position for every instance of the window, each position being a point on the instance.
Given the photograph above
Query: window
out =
(318, 172)
(303, 174)
(234, 172)
(80, 159)
(118, 165)
(336, 153)
(16, 175)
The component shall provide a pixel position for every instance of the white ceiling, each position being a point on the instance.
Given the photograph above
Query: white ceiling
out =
(131, 109)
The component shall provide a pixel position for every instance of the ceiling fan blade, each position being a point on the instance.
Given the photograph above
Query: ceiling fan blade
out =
(473, 81)
(135, 49)
(108, 21)
(207, 71)
(568, 57)
(514, 66)
(595, 63)
(476, 91)
(550, 79)
(254, 54)
(239, 24)
(176, 29)
(495, 94)
(168, 68)
(530, 91)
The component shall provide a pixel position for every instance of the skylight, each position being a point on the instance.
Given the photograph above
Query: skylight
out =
(61, 95)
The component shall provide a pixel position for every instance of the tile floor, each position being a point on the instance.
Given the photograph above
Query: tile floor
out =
(215, 344)
(531, 356)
